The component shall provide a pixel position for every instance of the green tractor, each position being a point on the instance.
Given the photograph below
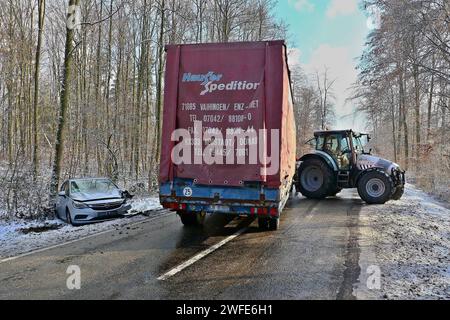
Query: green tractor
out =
(339, 161)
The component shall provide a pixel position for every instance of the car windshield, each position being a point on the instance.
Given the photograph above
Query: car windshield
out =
(92, 186)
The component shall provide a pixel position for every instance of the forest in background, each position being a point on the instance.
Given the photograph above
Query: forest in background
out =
(111, 110)
(112, 65)
(404, 88)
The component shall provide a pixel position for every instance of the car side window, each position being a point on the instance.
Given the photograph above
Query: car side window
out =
(66, 189)
(63, 186)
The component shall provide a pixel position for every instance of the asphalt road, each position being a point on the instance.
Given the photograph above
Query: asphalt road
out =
(314, 255)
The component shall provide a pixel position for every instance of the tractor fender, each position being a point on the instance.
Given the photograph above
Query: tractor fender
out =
(366, 162)
(322, 156)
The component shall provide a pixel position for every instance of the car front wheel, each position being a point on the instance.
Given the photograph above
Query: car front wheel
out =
(68, 217)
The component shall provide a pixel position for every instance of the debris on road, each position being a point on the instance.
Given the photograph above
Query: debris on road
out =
(144, 206)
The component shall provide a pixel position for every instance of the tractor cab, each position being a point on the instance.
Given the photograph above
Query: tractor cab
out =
(339, 161)
(343, 146)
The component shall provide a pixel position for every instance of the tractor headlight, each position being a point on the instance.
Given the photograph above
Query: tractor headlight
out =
(79, 205)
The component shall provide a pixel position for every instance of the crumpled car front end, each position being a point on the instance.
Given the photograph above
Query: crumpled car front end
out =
(95, 210)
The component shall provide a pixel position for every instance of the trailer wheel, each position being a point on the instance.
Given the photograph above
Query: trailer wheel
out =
(191, 218)
(263, 223)
(375, 187)
(274, 224)
(316, 179)
(398, 193)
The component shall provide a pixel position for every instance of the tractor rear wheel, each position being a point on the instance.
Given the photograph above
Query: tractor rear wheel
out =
(316, 179)
(375, 187)
(334, 192)
(398, 193)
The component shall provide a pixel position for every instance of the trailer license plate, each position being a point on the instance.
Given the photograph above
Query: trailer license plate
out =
(220, 208)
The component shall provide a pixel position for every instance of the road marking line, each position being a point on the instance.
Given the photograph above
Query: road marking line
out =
(80, 239)
(200, 255)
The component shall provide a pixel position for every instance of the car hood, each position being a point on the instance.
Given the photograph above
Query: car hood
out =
(83, 196)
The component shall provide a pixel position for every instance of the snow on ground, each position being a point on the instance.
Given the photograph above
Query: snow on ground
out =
(410, 243)
(19, 236)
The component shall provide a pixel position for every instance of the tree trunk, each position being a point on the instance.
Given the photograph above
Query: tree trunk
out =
(41, 13)
(64, 105)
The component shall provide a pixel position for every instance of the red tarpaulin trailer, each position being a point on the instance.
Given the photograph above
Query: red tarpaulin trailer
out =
(212, 90)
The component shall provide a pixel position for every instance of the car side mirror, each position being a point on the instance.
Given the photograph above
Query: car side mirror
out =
(62, 193)
(127, 194)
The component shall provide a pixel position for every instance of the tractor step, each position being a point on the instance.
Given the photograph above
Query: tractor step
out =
(343, 179)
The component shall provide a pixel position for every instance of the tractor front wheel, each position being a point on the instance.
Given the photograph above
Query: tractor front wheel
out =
(375, 187)
(398, 193)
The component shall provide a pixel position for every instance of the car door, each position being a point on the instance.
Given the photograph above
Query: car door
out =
(63, 197)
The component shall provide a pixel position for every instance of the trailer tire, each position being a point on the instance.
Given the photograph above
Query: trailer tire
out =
(191, 218)
(316, 180)
(274, 224)
(263, 223)
(398, 193)
(375, 187)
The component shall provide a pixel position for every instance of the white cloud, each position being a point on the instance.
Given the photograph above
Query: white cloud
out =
(341, 66)
(301, 5)
(341, 7)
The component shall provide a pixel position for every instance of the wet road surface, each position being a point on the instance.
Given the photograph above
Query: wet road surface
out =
(314, 255)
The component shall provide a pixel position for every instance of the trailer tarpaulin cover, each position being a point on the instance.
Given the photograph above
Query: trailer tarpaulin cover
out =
(228, 89)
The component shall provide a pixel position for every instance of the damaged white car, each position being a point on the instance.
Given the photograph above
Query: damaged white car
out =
(82, 201)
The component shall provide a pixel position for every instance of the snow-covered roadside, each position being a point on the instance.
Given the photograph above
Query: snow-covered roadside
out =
(409, 241)
(19, 236)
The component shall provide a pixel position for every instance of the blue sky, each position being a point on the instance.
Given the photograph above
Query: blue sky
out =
(327, 33)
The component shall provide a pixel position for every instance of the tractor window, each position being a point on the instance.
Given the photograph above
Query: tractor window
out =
(320, 141)
(337, 146)
(344, 144)
(331, 144)
(357, 144)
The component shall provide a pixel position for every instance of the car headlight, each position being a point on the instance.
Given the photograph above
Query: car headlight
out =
(79, 205)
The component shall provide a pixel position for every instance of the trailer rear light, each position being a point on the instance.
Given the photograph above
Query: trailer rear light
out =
(174, 206)
(259, 211)
(262, 211)
(273, 212)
